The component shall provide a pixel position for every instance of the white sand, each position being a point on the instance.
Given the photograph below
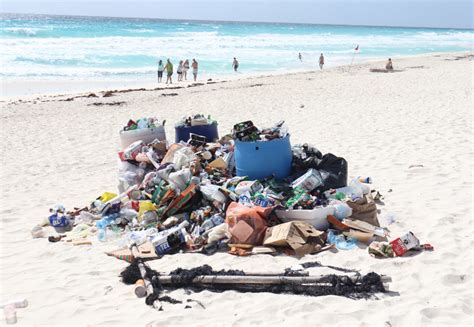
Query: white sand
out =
(381, 123)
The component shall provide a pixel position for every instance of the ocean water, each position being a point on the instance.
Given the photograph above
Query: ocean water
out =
(98, 48)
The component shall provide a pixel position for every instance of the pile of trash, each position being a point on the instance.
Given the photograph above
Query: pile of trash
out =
(246, 193)
(195, 120)
(247, 131)
(189, 196)
(142, 123)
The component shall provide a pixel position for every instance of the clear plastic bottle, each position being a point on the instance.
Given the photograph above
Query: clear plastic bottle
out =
(102, 235)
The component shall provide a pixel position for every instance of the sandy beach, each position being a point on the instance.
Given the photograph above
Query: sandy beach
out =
(410, 130)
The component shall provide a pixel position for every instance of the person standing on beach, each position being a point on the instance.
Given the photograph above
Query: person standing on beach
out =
(185, 69)
(169, 71)
(180, 71)
(161, 68)
(235, 65)
(321, 61)
(194, 65)
(300, 56)
(389, 65)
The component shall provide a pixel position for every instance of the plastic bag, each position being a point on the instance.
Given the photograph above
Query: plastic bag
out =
(180, 179)
(247, 225)
(333, 171)
(364, 209)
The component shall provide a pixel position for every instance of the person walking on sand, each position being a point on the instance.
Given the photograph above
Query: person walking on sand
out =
(169, 71)
(235, 65)
(180, 71)
(300, 56)
(185, 69)
(389, 65)
(161, 68)
(321, 62)
(194, 65)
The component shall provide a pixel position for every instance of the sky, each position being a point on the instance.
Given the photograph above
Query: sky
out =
(417, 13)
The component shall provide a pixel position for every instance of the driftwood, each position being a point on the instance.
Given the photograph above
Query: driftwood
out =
(259, 273)
(264, 280)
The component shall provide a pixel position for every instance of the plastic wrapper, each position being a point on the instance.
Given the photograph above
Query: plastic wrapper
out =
(247, 225)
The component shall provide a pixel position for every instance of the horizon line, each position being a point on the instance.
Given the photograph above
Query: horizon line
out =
(233, 21)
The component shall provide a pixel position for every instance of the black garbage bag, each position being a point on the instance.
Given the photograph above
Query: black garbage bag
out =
(333, 171)
(305, 157)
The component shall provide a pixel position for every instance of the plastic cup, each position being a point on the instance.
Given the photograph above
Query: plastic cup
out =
(10, 314)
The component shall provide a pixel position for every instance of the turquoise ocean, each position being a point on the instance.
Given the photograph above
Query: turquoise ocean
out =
(99, 48)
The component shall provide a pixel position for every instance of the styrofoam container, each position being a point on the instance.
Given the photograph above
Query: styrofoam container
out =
(147, 135)
(315, 217)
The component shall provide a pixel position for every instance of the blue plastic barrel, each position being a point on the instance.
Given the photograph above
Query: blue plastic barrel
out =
(209, 131)
(262, 159)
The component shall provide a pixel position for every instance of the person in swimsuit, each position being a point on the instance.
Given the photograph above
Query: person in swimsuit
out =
(300, 56)
(194, 65)
(321, 61)
(161, 68)
(185, 69)
(235, 65)
(180, 71)
(169, 72)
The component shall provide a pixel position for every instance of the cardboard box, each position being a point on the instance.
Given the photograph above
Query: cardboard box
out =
(299, 236)
(404, 243)
(365, 227)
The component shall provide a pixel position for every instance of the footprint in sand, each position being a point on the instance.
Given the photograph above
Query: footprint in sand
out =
(453, 279)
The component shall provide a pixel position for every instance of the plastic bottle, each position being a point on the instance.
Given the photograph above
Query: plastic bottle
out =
(142, 123)
(341, 210)
(366, 180)
(85, 217)
(10, 314)
(106, 220)
(37, 232)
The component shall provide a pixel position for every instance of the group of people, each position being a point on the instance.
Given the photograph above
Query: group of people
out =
(321, 60)
(182, 70)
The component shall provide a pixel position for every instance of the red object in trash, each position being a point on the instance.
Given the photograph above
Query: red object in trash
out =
(135, 205)
(404, 243)
(121, 156)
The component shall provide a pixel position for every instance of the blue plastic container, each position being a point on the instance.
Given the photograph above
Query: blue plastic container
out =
(209, 131)
(262, 159)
